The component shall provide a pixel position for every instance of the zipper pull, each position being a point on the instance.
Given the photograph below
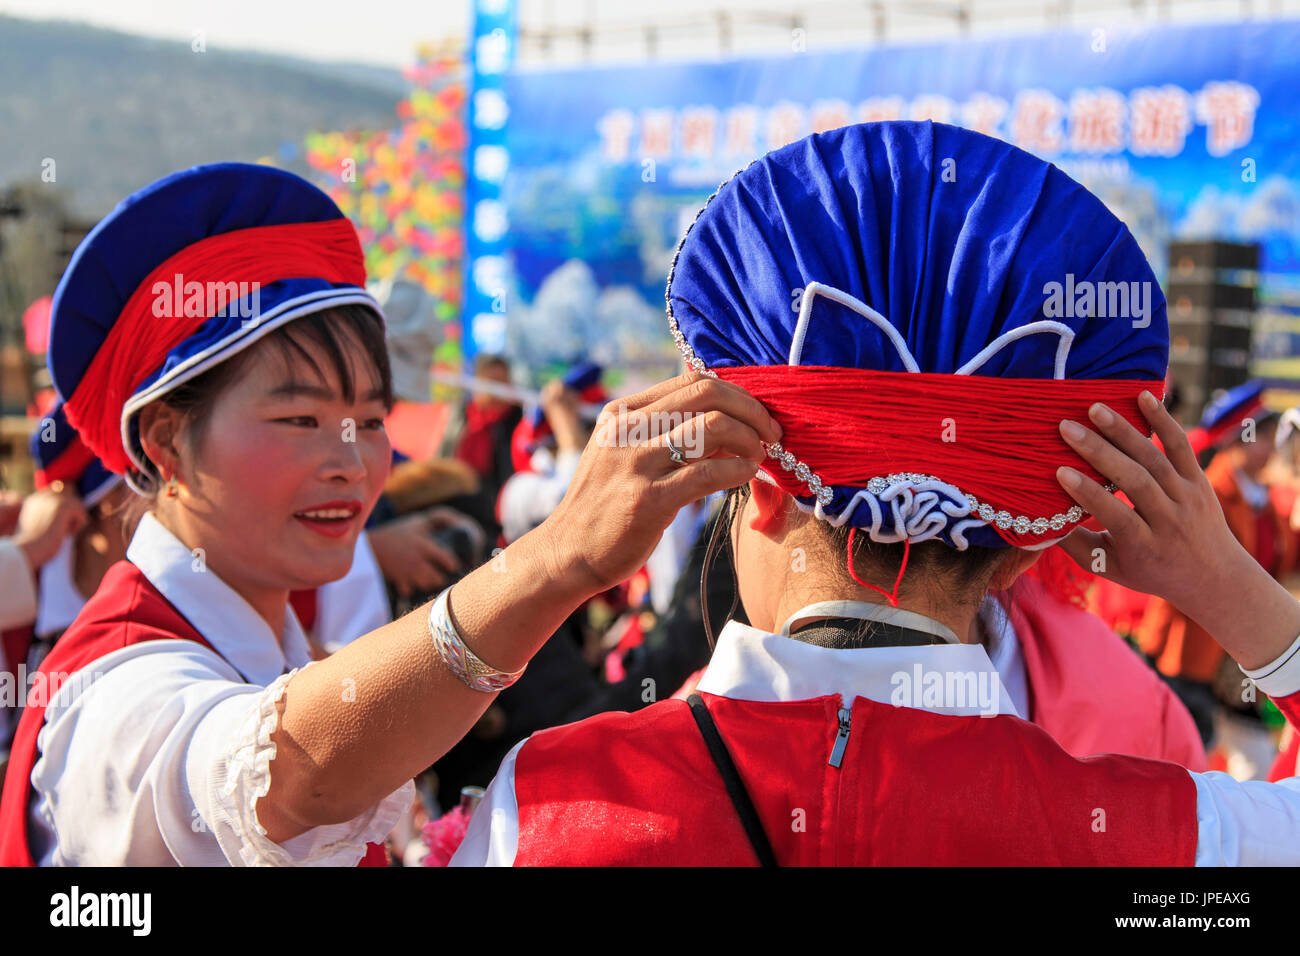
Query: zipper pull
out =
(841, 737)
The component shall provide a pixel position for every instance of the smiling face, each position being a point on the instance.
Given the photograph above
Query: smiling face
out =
(279, 469)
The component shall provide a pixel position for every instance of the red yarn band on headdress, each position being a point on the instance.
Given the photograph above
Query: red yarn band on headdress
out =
(994, 438)
(139, 341)
(68, 467)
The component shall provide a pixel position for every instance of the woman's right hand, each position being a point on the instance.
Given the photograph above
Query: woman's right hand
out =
(627, 488)
(405, 708)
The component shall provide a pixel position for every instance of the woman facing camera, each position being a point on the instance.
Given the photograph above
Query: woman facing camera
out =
(213, 341)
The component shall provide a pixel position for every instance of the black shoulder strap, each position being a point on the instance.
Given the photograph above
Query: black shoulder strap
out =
(731, 778)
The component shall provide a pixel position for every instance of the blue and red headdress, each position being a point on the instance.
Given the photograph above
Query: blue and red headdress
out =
(534, 431)
(179, 277)
(919, 305)
(61, 455)
(1225, 416)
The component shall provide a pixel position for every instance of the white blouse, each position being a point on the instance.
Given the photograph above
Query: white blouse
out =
(160, 759)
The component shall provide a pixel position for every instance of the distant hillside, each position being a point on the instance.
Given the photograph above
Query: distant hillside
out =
(116, 111)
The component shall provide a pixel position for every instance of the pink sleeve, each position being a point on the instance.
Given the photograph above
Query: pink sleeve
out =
(1182, 740)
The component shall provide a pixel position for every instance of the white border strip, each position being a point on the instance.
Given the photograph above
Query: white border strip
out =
(236, 342)
(1033, 328)
(96, 496)
(813, 289)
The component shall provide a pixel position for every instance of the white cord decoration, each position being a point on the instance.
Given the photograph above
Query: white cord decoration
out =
(923, 506)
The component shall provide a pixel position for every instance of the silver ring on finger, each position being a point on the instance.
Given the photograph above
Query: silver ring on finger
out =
(677, 455)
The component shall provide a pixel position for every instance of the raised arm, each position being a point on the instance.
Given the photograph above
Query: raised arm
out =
(357, 725)
(1174, 542)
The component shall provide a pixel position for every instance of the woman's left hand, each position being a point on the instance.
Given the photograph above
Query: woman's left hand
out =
(1173, 541)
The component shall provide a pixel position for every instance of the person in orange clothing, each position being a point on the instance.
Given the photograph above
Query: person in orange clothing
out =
(1243, 430)
(1283, 479)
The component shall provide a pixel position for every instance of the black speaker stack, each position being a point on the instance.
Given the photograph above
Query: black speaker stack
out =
(1211, 295)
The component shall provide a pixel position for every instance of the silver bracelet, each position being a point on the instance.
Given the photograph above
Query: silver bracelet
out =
(460, 660)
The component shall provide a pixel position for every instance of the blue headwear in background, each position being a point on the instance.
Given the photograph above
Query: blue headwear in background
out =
(60, 455)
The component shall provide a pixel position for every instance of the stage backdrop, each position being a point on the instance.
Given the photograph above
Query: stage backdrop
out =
(1187, 132)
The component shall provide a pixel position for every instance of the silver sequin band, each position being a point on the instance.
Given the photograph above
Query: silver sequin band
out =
(460, 660)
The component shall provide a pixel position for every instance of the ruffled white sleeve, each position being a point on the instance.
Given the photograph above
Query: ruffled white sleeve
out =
(242, 774)
(160, 760)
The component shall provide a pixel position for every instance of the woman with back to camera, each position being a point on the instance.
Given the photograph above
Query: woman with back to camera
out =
(930, 385)
(189, 726)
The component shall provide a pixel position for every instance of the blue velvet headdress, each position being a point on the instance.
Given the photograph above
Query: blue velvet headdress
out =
(914, 247)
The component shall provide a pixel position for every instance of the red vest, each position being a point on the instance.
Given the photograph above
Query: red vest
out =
(15, 643)
(127, 609)
(912, 788)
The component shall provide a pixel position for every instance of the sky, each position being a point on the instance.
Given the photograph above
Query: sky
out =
(381, 32)
(386, 32)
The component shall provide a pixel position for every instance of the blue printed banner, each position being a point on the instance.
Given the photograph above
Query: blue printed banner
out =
(1186, 132)
(491, 54)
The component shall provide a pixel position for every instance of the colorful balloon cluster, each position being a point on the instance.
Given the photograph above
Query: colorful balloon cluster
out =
(405, 187)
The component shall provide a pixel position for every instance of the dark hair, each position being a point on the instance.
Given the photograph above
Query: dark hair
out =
(329, 329)
(955, 571)
(943, 568)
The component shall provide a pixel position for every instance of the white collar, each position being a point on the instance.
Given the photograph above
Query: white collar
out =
(867, 611)
(214, 608)
(58, 601)
(750, 664)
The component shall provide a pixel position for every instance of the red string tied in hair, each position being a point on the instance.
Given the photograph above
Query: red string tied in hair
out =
(898, 581)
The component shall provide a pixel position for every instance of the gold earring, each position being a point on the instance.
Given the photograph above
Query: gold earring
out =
(171, 487)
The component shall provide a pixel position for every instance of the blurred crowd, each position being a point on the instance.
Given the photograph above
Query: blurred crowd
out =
(503, 468)
(500, 472)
